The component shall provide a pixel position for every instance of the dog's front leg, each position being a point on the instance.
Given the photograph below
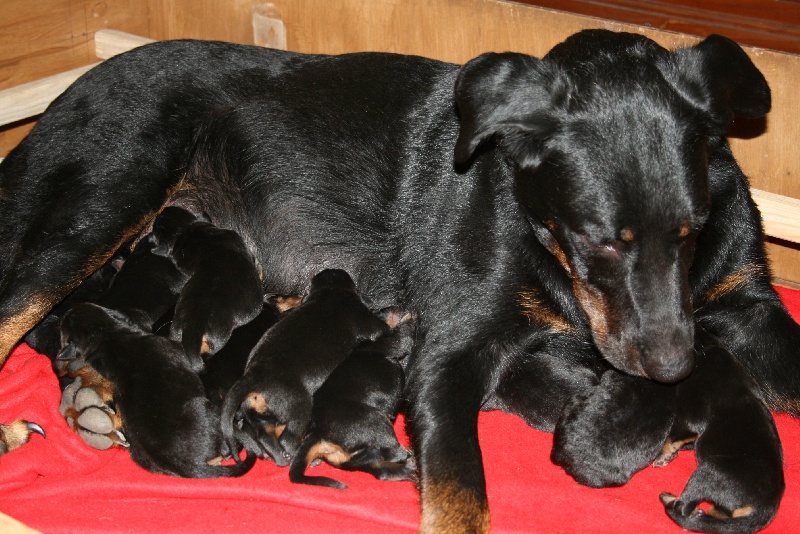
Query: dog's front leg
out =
(445, 393)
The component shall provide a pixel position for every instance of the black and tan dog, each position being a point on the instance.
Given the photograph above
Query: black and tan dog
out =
(292, 361)
(582, 209)
(223, 290)
(352, 419)
(171, 426)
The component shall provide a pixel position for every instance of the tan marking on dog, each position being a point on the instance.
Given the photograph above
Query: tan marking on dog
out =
(744, 511)
(15, 435)
(597, 310)
(16, 326)
(215, 461)
(685, 230)
(732, 282)
(204, 346)
(448, 508)
(257, 402)
(627, 235)
(90, 378)
(332, 453)
(716, 513)
(670, 450)
(286, 303)
(539, 313)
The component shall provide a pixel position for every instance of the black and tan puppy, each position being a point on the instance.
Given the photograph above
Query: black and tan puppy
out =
(353, 414)
(223, 290)
(171, 426)
(738, 450)
(292, 361)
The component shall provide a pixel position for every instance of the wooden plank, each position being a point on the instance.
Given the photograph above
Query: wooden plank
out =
(32, 98)
(781, 215)
(109, 43)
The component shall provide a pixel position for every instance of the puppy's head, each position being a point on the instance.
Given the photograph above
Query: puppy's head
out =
(82, 328)
(336, 279)
(609, 138)
(169, 224)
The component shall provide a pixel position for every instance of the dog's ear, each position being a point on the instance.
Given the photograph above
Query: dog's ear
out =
(729, 82)
(510, 97)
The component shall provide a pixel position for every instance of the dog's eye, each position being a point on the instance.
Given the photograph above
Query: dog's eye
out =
(611, 249)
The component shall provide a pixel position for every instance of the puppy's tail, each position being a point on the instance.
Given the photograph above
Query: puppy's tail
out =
(311, 449)
(231, 435)
(204, 470)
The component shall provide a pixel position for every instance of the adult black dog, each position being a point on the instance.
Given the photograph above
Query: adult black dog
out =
(592, 215)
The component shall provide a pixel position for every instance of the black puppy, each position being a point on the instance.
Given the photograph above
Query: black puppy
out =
(223, 290)
(292, 361)
(353, 414)
(739, 456)
(171, 426)
(583, 207)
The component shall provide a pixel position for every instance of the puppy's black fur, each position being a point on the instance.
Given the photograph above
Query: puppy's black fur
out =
(227, 365)
(543, 217)
(353, 414)
(292, 361)
(223, 290)
(171, 426)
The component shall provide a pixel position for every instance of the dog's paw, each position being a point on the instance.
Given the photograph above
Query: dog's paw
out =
(87, 404)
(16, 434)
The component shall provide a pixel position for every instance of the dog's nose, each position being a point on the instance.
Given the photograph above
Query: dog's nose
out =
(668, 358)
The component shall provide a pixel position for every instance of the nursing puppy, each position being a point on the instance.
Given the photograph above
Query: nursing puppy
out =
(171, 426)
(292, 361)
(354, 411)
(223, 290)
(739, 472)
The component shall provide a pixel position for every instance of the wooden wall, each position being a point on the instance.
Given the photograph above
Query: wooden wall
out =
(41, 37)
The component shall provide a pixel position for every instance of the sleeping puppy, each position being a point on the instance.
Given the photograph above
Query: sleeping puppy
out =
(353, 414)
(171, 426)
(738, 450)
(292, 361)
(224, 289)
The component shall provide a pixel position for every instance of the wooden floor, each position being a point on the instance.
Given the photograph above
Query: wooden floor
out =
(764, 23)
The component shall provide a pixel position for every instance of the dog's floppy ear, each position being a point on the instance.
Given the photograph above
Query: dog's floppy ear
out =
(509, 96)
(732, 83)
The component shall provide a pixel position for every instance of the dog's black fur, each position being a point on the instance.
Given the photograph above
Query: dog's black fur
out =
(223, 290)
(593, 212)
(171, 426)
(292, 361)
(352, 418)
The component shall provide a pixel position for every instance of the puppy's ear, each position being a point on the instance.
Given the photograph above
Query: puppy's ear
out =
(729, 82)
(511, 97)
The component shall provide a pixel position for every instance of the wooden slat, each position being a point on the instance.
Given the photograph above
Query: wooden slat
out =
(781, 215)
(109, 43)
(30, 99)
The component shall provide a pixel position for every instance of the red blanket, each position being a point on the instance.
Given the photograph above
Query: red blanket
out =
(59, 484)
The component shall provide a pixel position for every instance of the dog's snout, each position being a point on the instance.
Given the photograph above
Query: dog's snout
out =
(668, 357)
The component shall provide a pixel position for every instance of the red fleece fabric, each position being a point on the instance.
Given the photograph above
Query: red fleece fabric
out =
(59, 484)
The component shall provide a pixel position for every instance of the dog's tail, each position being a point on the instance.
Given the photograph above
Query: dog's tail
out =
(311, 449)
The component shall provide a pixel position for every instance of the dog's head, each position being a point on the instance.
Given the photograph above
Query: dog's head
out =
(83, 327)
(610, 136)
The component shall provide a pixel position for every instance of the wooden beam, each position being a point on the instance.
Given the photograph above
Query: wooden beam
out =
(31, 99)
(109, 43)
(781, 215)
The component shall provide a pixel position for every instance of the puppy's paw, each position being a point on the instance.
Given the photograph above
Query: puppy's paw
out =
(88, 406)
(16, 434)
